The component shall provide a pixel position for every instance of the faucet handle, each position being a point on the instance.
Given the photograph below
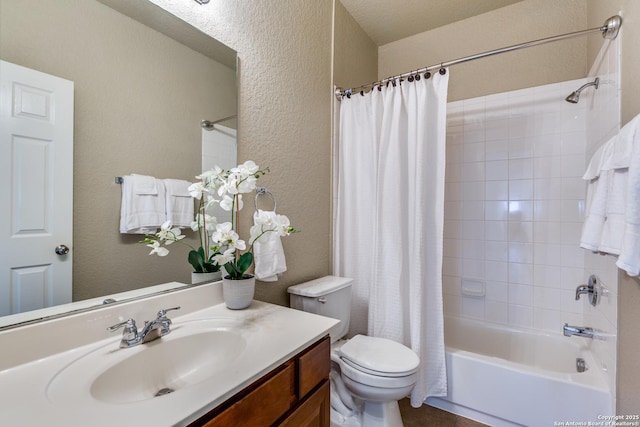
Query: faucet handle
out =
(162, 313)
(130, 329)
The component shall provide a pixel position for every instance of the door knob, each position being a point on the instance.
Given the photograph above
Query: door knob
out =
(62, 249)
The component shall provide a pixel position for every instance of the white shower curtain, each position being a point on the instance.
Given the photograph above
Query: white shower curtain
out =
(389, 218)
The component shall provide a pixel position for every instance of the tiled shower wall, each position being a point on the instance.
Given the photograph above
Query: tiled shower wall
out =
(514, 206)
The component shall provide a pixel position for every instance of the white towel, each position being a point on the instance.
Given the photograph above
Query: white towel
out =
(179, 203)
(629, 259)
(614, 223)
(622, 146)
(595, 212)
(142, 208)
(267, 250)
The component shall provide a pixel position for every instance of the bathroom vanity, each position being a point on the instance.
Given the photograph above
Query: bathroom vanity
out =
(294, 394)
(266, 365)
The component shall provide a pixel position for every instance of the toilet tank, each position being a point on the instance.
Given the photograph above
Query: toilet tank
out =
(328, 296)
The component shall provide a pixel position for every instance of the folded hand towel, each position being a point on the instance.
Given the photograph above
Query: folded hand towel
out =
(144, 185)
(142, 208)
(179, 203)
(267, 250)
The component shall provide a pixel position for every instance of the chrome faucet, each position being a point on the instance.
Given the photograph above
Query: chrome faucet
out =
(592, 290)
(581, 331)
(152, 330)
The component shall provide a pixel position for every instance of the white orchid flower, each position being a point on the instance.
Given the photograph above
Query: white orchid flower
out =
(196, 190)
(248, 184)
(248, 168)
(228, 186)
(223, 258)
(209, 222)
(284, 225)
(226, 236)
(208, 176)
(157, 249)
(168, 234)
(227, 202)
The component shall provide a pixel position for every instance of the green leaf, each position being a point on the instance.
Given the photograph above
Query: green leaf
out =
(232, 270)
(244, 262)
(196, 259)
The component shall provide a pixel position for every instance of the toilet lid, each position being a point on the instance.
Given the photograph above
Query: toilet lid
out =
(379, 355)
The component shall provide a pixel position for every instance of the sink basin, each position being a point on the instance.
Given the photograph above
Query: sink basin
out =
(187, 356)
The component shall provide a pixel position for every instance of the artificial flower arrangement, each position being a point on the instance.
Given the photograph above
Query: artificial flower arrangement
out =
(220, 244)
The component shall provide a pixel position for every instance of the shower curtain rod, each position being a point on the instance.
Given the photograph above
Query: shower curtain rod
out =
(609, 30)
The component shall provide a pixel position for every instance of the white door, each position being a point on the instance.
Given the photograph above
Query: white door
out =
(36, 189)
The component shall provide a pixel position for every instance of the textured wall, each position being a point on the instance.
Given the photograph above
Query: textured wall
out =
(628, 393)
(285, 95)
(356, 56)
(137, 110)
(524, 21)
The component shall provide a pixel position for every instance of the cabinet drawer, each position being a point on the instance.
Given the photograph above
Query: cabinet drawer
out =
(313, 367)
(262, 406)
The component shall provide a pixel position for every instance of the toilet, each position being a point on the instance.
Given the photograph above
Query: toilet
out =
(376, 371)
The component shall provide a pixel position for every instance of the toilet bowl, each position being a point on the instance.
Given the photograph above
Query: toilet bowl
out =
(376, 371)
(379, 372)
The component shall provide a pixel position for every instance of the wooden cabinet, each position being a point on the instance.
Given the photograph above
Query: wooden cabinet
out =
(295, 394)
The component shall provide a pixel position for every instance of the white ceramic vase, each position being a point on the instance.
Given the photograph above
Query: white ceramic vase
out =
(197, 278)
(238, 294)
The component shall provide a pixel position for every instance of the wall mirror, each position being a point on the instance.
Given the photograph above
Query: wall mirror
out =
(143, 82)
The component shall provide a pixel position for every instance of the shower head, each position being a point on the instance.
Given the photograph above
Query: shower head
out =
(574, 97)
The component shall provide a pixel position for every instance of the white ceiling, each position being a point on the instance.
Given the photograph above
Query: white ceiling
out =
(386, 21)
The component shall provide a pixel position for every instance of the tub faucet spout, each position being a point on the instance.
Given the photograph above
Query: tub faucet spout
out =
(581, 331)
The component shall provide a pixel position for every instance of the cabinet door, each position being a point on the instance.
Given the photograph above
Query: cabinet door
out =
(313, 412)
(263, 406)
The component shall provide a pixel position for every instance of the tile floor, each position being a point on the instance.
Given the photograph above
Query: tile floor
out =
(428, 416)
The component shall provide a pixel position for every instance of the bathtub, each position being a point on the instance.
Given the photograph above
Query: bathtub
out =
(507, 377)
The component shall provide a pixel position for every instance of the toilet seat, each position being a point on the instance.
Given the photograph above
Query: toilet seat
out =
(379, 357)
(378, 381)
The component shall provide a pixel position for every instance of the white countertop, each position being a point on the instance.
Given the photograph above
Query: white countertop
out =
(273, 334)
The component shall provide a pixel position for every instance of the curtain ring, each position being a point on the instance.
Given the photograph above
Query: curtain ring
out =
(442, 70)
(362, 92)
(410, 78)
(417, 77)
(427, 75)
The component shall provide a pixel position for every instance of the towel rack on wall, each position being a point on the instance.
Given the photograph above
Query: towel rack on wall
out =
(261, 191)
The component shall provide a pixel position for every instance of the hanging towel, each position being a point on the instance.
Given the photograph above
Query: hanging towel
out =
(629, 259)
(142, 209)
(267, 250)
(603, 228)
(595, 213)
(614, 223)
(179, 203)
(612, 218)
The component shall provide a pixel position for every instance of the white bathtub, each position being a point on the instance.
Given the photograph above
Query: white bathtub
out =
(505, 377)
